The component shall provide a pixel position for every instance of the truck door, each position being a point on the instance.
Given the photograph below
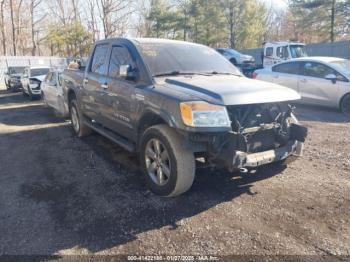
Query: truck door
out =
(93, 79)
(118, 104)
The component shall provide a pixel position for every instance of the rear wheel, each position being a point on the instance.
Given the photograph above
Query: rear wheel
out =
(80, 129)
(168, 166)
(233, 61)
(345, 105)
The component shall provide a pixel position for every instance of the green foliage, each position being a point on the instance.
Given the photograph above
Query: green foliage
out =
(69, 40)
(324, 20)
(209, 22)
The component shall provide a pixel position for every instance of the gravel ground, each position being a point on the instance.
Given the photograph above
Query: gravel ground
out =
(63, 195)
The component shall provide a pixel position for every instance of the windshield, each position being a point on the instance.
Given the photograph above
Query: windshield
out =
(297, 51)
(233, 52)
(343, 65)
(39, 71)
(167, 58)
(15, 70)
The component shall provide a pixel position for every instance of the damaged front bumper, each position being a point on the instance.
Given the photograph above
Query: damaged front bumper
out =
(241, 159)
(236, 155)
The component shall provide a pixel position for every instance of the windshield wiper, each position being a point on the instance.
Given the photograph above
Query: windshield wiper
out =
(173, 73)
(222, 73)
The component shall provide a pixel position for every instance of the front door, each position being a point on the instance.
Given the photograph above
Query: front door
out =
(314, 88)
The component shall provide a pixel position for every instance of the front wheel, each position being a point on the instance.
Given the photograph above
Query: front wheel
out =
(345, 105)
(168, 166)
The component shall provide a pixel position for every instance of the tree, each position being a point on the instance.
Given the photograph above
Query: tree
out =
(2, 21)
(114, 15)
(69, 40)
(13, 28)
(327, 19)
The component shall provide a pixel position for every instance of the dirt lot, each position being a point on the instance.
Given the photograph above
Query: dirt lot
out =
(63, 195)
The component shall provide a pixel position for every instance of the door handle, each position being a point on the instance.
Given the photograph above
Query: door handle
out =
(104, 86)
(303, 80)
(86, 81)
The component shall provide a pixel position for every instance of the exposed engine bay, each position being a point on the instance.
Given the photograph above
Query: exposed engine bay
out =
(256, 128)
(263, 126)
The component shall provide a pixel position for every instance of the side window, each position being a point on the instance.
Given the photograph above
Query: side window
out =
(269, 51)
(282, 52)
(119, 56)
(316, 70)
(287, 68)
(98, 60)
(279, 52)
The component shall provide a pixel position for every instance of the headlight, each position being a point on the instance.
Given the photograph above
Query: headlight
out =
(203, 114)
(34, 82)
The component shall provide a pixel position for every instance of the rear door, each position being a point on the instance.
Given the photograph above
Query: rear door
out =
(286, 74)
(94, 77)
(313, 87)
(118, 104)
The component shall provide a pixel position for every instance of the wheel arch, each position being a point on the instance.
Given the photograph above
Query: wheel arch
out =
(342, 99)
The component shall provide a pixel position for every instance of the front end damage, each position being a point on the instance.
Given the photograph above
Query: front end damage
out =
(261, 134)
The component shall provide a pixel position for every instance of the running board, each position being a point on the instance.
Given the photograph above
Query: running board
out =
(111, 135)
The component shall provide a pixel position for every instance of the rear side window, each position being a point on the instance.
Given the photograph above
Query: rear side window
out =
(98, 61)
(269, 51)
(119, 56)
(317, 70)
(287, 68)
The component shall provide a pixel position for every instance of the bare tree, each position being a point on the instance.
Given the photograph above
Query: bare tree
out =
(114, 15)
(13, 28)
(2, 21)
(33, 6)
(92, 22)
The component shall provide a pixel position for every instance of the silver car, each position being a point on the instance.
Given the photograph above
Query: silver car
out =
(321, 81)
(53, 93)
(31, 81)
(237, 58)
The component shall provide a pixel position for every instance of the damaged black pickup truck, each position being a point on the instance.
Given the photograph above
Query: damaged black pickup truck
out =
(175, 102)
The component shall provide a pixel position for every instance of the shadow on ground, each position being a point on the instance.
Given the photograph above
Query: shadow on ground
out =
(93, 193)
(320, 114)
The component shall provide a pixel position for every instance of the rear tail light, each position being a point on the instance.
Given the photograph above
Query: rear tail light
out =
(254, 75)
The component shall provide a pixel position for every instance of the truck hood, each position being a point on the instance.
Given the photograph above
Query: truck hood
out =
(39, 78)
(229, 89)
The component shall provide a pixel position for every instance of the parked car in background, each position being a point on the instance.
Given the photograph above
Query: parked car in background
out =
(236, 58)
(52, 92)
(13, 77)
(276, 52)
(321, 81)
(31, 81)
(172, 102)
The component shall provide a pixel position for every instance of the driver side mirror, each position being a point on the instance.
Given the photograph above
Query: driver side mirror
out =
(331, 77)
(128, 72)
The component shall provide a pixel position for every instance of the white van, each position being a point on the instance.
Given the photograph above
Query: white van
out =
(275, 52)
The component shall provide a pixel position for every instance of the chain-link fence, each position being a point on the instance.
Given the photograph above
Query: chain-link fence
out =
(6, 61)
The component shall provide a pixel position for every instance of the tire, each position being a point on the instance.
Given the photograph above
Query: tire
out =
(30, 94)
(79, 128)
(178, 161)
(24, 93)
(233, 61)
(345, 105)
